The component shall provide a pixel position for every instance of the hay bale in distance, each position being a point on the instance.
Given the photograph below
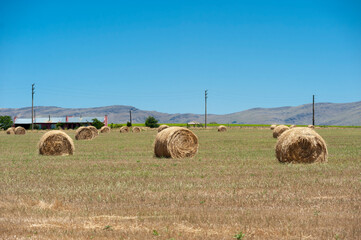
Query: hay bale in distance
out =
(56, 143)
(301, 145)
(222, 128)
(279, 130)
(124, 129)
(83, 133)
(19, 131)
(10, 130)
(176, 142)
(311, 126)
(292, 126)
(162, 127)
(94, 131)
(136, 129)
(105, 129)
(273, 126)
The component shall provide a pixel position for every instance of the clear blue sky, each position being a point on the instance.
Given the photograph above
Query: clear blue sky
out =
(162, 55)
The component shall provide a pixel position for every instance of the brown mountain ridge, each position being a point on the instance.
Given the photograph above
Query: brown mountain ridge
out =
(341, 114)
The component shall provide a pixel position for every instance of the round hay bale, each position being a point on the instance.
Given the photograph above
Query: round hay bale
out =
(222, 128)
(136, 129)
(292, 126)
(105, 129)
(124, 129)
(279, 130)
(19, 131)
(273, 126)
(176, 142)
(56, 143)
(10, 130)
(162, 127)
(311, 126)
(83, 133)
(94, 131)
(301, 145)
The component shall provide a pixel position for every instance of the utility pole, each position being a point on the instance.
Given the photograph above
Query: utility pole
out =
(205, 112)
(130, 117)
(313, 110)
(32, 105)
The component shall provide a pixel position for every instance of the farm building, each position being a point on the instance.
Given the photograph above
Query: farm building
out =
(194, 124)
(68, 122)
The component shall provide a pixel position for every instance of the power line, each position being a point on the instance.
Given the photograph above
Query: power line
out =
(32, 105)
(205, 112)
(130, 117)
(313, 110)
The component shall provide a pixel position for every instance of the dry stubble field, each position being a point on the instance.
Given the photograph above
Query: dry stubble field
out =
(113, 188)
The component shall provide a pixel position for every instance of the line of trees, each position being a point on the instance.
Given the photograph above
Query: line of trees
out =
(5, 122)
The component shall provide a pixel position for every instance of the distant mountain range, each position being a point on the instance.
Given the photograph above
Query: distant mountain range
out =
(343, 114)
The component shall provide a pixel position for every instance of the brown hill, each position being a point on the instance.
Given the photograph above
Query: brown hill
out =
(326, 114)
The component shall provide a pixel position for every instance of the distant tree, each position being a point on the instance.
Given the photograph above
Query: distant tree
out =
(129, 124)
(96, 123)
(115, 125)
(151, 122)
(5, 122)
(213, 123)
(59, 125)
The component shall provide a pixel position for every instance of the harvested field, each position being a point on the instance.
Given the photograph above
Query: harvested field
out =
(113, 188)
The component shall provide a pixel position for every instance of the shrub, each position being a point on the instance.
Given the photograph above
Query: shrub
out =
(59, 125)
(151, 122)
(115, 125)
(5, 122)
(96, 123)
(129, 124)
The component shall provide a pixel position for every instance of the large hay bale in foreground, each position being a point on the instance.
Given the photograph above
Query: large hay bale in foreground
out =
(279, 130)
(19, 131)
(222, 128)
(94, 131)
(56, 143)
(301, 145)
(273, 126)
(83, 133)
(136, 129)
(162, 127)
(124, 129)
(176, 142)
(105, 129)
(10, 130)
(311, 126)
